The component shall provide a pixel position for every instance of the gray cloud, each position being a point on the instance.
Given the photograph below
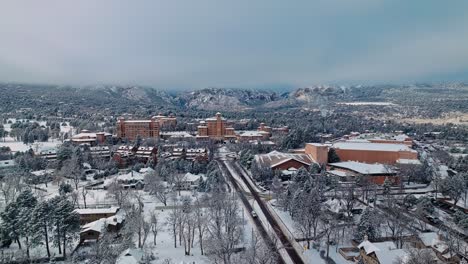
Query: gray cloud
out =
(192, 44)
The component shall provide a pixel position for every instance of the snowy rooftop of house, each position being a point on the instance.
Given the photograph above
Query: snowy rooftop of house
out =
(130, 256)
(97, 226)
(131, 175)
(368, 246)
(353, 145)
(192, 177)
(111, 210)
(429, 239)
(386, 252)
(276, 158)
(146, 170)
(363, 168)
(7, 163)
(390, 256)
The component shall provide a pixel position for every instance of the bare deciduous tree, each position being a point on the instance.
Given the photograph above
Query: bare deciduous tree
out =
(157, 187)
(155, 225)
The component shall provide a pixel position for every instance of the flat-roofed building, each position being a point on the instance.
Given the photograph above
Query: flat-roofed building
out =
(368, 152)
(386, 138)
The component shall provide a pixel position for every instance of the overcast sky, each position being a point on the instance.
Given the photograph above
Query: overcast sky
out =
(241, 43)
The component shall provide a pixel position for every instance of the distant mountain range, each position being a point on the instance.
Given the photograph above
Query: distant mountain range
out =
(211, 99)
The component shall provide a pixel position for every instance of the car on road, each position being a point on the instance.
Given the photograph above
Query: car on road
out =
(254, 214)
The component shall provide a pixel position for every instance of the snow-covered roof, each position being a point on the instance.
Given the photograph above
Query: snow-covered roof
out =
(429, 239)
(353, 145)
(390, 256)
(386, 252)
(133, 175)
(130, 256)
(97, 226)
(276, 158)
(102, 223)
(7, 163)
(368, 246)
(192, 177)
(146, 170)
(363, 168)
(84, 211)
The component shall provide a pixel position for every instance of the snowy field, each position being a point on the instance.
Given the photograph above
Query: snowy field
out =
(18, 146)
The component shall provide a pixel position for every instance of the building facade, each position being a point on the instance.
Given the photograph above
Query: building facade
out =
(368, 152)
(215, 128)
(131, 129)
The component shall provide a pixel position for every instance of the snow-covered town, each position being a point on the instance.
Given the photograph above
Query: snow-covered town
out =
(234, 132)
(211, 196)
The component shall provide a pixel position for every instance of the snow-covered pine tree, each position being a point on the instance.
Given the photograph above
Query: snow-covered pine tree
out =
(367, 225)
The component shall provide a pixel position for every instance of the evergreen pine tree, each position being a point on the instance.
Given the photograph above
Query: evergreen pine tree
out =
(367, 226)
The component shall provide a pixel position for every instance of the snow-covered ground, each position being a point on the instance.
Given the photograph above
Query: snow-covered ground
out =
(16, 146)
(164, 248)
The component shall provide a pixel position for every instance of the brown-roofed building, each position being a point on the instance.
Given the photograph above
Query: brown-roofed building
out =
(91, 138)
(92, 214)
(283, 161)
